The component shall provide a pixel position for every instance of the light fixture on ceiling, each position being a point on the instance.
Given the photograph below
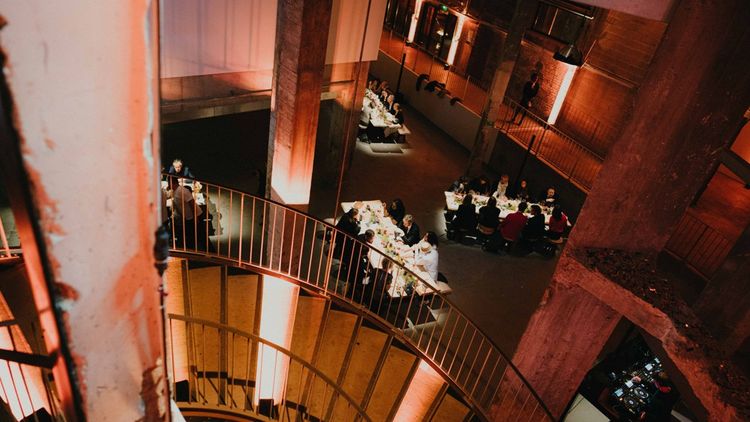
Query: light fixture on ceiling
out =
(573, 59)
(570, 55)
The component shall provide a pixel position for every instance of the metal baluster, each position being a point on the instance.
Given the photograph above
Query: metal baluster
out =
(242, 218)
(4, 239)
(293, 242)
(252, 233)
(463, 362)
(231, 211)
(489, 380)
(263, 235)
(218, 210)
(272, 249)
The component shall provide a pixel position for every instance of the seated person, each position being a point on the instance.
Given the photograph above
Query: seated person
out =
(513, 225)
(180, 170)
(549, 198)
(398, 114)
(466, 216)
(411, 230)
(360, 269)
(396, 210)
(348, 224)
(390, 100)
(502, 187)
(382, 87)
(480, 185)
(534, 229)
(489, 217)
(426, 257)
(373, 85)
(557, 223)
(460, 185)
(384, 96)
(522, 192)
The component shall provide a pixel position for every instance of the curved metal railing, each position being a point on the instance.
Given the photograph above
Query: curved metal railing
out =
(214, 366)
(248, 231)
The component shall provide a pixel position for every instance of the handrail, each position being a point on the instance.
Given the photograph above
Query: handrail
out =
(553, 128)
(563, 153)
(25, 388)
(234, 356)
(701, 247)
(247, 230)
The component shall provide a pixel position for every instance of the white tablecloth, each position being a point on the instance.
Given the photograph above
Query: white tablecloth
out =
(379, 116)
(387, 240)
(506, 205)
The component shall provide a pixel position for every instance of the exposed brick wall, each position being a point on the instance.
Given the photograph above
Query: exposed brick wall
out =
(534, 58)
(599, 99)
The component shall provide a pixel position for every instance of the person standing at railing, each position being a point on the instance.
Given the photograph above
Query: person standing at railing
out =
(530, 89)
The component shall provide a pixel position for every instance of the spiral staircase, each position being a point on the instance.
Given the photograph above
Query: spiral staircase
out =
(353, 351)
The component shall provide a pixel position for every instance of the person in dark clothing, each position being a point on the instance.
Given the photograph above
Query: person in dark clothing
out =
(530, 89)
(180, 170)
(534, 229)
(460, 185)
(398, 113)
(549, 197)
(375, 291)
(347, 224)
(397, 210)
(480, 185)
(522, 192)
(466, 216)
(665, 396)
(360, 269)
(411, 230)
(489, 217)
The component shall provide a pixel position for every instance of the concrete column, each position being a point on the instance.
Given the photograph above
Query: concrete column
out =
(82, 78)
(301, 40)
(562, 341)
(724, 305)
(522, 19)
(684, 115)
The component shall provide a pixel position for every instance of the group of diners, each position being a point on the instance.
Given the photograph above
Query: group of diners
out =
(185, 209)
(505, 217)
(387, 235)
(381, 116)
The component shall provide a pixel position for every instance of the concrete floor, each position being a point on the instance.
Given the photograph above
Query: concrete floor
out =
(499, 293)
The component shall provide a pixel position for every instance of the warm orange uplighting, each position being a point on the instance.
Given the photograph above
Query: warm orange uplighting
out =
(456, 38)
(423, 389)
(276, 324)
(562, 93)
(414, 20)
(20, 385)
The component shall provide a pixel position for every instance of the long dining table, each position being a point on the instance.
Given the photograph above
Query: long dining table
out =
(378, 115)
(388, 241)
(505, 205)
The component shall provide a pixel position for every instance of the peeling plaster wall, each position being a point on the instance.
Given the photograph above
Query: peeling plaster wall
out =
(82, 77)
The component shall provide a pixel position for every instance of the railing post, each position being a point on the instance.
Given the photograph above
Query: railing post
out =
(6, 248)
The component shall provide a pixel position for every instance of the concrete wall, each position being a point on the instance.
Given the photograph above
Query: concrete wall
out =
(82, 75)
(203, 37)
(455, 120)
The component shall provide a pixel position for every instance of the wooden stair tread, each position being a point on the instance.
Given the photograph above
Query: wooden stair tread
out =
(451, 409)
(392, 377)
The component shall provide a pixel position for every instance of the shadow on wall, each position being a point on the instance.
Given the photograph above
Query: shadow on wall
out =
(227, 150)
